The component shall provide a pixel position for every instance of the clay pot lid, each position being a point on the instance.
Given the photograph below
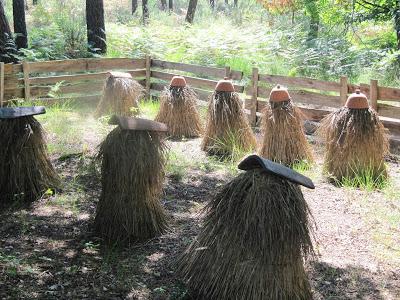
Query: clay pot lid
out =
(279, 94)
(178, 81)
(357, 100)
(119, 74)
(225, 85)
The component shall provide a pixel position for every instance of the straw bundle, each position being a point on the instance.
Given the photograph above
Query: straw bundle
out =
(25, 169)
(129, 209)
(179, 112)
(227, 125)
(252, 245)
(284, 140)
(356, 142)
(121, 95)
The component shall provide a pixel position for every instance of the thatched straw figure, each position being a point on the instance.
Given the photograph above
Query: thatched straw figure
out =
(227, 126)
(133, 160)
(121, 94)
(356, 141)
(178, 109)
(26, 172)
(282, 125)
(254, 239)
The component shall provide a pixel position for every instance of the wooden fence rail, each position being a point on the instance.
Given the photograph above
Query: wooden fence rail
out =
(82, 79)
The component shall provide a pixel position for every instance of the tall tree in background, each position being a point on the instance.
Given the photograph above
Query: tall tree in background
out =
(96, 31)
(163, 4)
(191, 11)
(7, 45)
(21, 39)
(34, 2)
(171, 5)
(134, 6)
(313, 12)
(212, 4)
(145, 11)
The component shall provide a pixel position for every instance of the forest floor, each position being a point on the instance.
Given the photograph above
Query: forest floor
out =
(48, 251)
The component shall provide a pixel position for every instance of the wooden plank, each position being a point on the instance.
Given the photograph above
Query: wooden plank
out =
(254, 97)
(25, 67)
(195, 69)
(301, 96)
(10, 69)
(193, 81)
(87, 64)
(1, 84)
(202, 94)
(393, 125)
(389, 111)
(301, 82)
(344, 89)
(86, 99)
(388, 94)
(148, 75)
(80, 77)
(373, 94)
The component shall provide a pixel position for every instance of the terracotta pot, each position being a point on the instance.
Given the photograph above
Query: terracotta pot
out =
(279, 94)
(225, 85)
(178, 81)
(357, 100)
(119, 74)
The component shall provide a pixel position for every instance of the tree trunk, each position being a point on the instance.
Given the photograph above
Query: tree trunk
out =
(96, 31)
(227, 2)
(312, 10)
(34, 2)
(235, 3)
(7, 45)
(21, 39)
(145, 11)
(134, 6)
(171, 5)
(212, 4)
(163, 4)
(191, 11)
(397, 23)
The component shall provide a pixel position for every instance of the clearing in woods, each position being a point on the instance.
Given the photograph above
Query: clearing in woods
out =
(48, 251)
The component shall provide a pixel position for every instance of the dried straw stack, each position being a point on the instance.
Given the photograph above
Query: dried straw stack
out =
(133, 160)
(227, 125)
(355, 140)
(178, 109)
(254, 238)
(26, 172)
(282, 125)
(121, 94)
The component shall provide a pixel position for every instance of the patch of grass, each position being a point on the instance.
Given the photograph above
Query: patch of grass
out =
(307, 169)
(365, 180)
(177, 165)
(149, 108)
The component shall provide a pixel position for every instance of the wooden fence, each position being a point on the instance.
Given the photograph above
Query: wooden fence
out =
(316, 98)
(83, 79)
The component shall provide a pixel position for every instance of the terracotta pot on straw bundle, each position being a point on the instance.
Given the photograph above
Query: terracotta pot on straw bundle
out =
(227, 125)
(26, 172)
(255, 236)
(133, 161)
(356, 141)
(178, 109)
(282, 125)
(121, 94)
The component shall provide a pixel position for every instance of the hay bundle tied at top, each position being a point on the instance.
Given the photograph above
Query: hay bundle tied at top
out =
(253, 242)
(227, 125)
(282, 125)
(26, 172)
(178, 109)
(355, 141)
(121, 94)
(132, 168)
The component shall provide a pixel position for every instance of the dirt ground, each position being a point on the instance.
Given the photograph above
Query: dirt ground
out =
(48, 251)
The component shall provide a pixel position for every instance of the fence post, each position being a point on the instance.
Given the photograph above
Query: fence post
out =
(25, 68)
(228, 72)
(343, 89)
(373, 94)
(148, 74)
(1, 84)
(254, 97)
